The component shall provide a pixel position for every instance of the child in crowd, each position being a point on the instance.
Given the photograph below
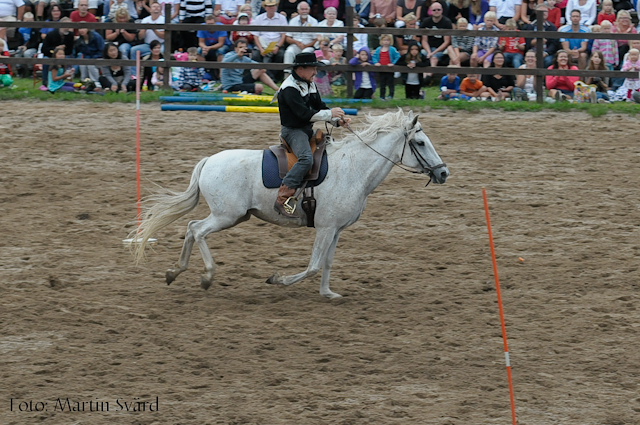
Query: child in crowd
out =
(113, 8)
(512, 47)
(608, 47)
(607, 12)
(365, 82)
(157, 79)
(450, 85)
(243, 19)
(596, 63)
(592, 28)
(359, 40)
(337, 77)
(484, 47)
(630, 85)
(190, 78)
(413, 80)
(386, 55)
(555, 12)
(26, 32)
(473, 88)
(5, 71)
(374, 42)
(461, 46)
(57, 74)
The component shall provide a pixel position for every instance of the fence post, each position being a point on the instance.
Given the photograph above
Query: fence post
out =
(540, 55)
(168, 11)
(349, 52)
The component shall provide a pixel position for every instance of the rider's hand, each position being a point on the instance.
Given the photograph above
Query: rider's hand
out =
(337, 113)
(344, 122)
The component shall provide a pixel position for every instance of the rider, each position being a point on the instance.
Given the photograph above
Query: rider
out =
(300, 106)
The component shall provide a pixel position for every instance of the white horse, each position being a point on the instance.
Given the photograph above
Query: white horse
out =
(231, 183)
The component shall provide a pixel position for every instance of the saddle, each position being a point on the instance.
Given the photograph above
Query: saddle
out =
(286, 157)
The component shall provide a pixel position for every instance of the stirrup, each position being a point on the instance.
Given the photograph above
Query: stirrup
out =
(288, 208)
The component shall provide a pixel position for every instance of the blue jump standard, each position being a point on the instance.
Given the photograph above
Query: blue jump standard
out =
(224, 108)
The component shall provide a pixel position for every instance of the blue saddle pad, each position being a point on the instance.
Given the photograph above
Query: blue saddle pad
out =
(271, 176)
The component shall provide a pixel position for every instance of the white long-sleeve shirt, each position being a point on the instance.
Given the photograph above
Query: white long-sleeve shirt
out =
(588, 12)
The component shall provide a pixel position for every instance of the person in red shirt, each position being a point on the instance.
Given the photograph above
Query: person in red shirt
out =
(607, 12)
(555, 12)
(561, 87)
(82, 14)
(512, 47)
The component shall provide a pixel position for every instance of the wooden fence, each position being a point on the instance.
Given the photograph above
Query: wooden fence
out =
(540, 72)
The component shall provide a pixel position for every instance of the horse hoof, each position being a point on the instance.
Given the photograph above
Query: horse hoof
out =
(170, 277)
(332, 296)
(273, 279)
(205, 283)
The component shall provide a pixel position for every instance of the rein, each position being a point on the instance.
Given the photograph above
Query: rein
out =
(421, 160)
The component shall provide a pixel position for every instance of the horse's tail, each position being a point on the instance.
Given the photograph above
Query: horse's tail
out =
(167, 208)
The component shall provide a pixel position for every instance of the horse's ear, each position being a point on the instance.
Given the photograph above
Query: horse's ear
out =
(415, 121)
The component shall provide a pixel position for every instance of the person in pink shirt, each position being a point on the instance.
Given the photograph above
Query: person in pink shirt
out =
(561, 87)
(385, 8)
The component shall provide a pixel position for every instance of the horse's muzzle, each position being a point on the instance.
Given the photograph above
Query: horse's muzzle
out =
(440, 175)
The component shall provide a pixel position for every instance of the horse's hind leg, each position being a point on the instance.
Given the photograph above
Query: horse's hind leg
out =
(197, 231)
(326, 270)
(324, 238)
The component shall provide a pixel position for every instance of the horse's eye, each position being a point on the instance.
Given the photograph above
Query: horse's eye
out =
(420, 143)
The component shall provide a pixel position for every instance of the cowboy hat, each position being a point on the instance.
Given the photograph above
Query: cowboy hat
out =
(306, 59)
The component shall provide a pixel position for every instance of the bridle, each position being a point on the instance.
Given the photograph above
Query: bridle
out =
(414, 150)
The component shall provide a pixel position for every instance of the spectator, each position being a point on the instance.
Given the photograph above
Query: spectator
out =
(461, 47)
(112, 6)
(147, 36)
(25, 33)
(82, 13)
(28, 49)
(55, 14)
(330, 21)
(362, 8)
(360, 39)
(300, 41)
(450, 83)
(338, 5)
(190, 78)
(322, 80)
(607, 12)
(459, 9)
(623, 26)
(227, 10)
(483, 47)
(40, 5)
(426, 9)
(404, 7)
(175, 13)
(403, 41)
(512, 47)
(243, 19)
(413, 80)
(57, 74)
(596, 63)
(115, 78)
(269, 44)
(551, 46)
(473, 88)
(527, 13)
(337, 77)
(505, 9)
(157, 79)
(525, 88)
(92, 8)
(88, 45)
(148, 71)
(374, 42)
(365, 82)
(435, 46)
(59, 37)
(608, 48)
(212, 43)
(124, 39)
(554, 13)
(385, 9)
(587, 9)
(477, 10)
(630, 85)
(386, 55)
(10, 11)
(499, 86)
(561, 87)
(240, 79)
(6, 80)
(577, 47)
(289, 8)
(193, 12)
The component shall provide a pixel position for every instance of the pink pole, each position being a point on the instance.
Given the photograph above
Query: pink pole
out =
(138, 134)
(504, 329)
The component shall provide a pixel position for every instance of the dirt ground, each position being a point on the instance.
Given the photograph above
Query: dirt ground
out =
(416, 338)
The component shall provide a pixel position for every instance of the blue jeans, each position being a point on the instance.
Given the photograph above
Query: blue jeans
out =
(513, 59)
(125, 49)
(298, 140)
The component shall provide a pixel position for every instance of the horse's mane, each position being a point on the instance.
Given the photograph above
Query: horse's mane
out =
(373, 125)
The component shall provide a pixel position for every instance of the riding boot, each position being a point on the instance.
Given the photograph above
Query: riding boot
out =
(284, 193)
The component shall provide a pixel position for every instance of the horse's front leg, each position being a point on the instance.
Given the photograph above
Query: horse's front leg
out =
(326, 270)
(324, 238)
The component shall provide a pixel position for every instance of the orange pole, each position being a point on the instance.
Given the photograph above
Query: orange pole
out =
(504, 329)
(138, 135)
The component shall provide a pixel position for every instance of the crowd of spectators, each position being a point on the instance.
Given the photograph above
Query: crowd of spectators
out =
(370, 51)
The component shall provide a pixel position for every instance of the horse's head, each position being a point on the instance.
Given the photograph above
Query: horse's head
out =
(419, 153)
